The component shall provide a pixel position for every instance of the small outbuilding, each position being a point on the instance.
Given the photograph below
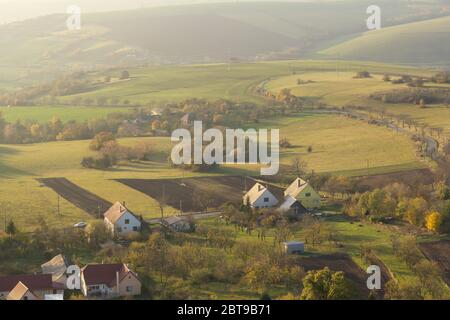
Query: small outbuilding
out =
(294, 247)
(178, 224)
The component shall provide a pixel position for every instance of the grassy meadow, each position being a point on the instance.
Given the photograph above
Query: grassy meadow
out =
(339, 88)
(236, 81)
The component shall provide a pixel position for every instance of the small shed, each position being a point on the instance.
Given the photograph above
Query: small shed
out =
(294, 247)
(178, 224)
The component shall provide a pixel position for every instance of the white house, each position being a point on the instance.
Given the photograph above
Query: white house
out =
(259, 197)
(120, 220)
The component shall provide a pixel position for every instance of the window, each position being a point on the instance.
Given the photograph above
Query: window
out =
(127, 221)
(308, 194)
(266, 199)
(129, 289)
(135, 228)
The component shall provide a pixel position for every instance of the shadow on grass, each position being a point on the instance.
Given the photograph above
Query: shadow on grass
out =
(7, 171)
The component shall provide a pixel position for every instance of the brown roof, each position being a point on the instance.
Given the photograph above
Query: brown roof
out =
(33, 282)
(94, 274)
(115, 212)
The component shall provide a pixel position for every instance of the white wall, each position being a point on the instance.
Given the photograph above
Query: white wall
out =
(127, 228)
(260, 203)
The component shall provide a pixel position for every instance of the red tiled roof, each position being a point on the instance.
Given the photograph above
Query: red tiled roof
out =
(104, 273)
(32, 282)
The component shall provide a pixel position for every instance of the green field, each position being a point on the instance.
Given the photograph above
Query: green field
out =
(340, 145)
(44, 114)
(235, 82)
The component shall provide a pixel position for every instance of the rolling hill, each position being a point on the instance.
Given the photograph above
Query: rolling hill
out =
(418, 42)
(190, 33)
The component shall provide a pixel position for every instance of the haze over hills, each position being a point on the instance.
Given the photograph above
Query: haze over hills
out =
(213, 32)
(418, 42)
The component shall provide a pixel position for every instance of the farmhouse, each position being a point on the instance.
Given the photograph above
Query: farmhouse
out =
(121, 221)
(179, 224)
(37, 285)
(56, 267)
(259, 196)
(303, 193)
(290, 204)
(109, 281)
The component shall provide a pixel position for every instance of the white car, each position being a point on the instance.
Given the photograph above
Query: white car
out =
(80, 225)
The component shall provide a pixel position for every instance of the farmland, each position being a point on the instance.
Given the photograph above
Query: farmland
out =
(329, 136)
(438, 252)
(236, 81)
(184, 193)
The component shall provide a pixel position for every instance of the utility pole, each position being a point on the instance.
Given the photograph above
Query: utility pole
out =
(368, 173)
(59, 211)
(181, 207)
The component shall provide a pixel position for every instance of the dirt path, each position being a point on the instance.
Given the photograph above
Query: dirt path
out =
(439, 252)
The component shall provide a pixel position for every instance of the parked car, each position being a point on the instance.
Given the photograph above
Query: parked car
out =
(80, 225)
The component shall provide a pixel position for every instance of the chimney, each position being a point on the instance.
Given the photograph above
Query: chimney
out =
(117, 284)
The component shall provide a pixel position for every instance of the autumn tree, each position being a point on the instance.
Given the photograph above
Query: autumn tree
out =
(325, 285)
(433, 221)
(100, 140)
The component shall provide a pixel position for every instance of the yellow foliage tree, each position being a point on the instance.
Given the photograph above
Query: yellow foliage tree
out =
(433, 221)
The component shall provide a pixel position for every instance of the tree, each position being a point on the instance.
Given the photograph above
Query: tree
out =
(443, 191)
(155, 255)
(433, 221)
(125, 75)
(100, 139)
(156, 125)
(325, 285)
(300, 167)
(11, 228)
(97, 233)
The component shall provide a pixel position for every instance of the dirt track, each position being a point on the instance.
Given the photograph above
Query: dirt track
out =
(190, 192)
(438, 252)
(80, 197)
